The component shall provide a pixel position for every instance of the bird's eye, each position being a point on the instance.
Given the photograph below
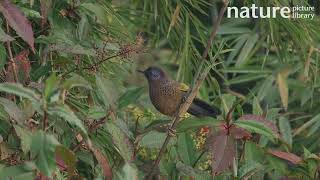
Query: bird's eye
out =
(155, 75)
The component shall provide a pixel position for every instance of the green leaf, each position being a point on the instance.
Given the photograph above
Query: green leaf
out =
(25, 171)
(66, 113)
(13, 110)
(246, 49)
(246, 78)
(3, 56)
(121, 141)
(107, 90)
(185, 169)
(253, 153)
(130, 96)
(153, 139)
(186, 149)
(248, 168)
(43, 148)
(285, 129)
(257, 127)
(51, 86)
(227, 102)
(315, 119)
(25, 137)
(128, 172)
(19, 90)
(194, 123)
(256, 108)
(96, 112)
(76, 81)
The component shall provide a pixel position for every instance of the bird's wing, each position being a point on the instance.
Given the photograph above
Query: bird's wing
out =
(183, 87)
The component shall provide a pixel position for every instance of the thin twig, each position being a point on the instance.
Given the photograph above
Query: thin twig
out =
(11, 59)
(184, 106)
(198, 159)
(121, 53)
(92, 128)
(45, 120)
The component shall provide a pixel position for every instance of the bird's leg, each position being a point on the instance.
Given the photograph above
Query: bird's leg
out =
(184, 99)
(171, 132)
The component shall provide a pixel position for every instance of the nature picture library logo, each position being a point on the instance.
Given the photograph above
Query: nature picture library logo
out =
(301, 12)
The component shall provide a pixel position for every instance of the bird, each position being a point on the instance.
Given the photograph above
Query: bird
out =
(166, 95)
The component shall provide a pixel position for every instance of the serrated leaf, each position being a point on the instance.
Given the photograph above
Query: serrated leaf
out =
(43, 148)
(257, 127)
(246, 170)
(25, 138)
(66, 113)
(107, 90)
(13, 110)
(153, 139)
(128, 172)
(186, 149)
(96, 112)
(193, 123)
(17, 21)
(256, 108)
(76, 81)
(294, 159)
(239, 133)
(19, 90)
(223, 148)
(51, 86)
(121, 141)
(185, 169)
(285, 130)
(18, 172)
(263, 120)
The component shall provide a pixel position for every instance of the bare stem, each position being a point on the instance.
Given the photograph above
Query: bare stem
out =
(184, 106)
(45, 120)
(11, 60)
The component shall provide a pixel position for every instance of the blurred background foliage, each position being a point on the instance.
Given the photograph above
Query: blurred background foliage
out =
(73, 107)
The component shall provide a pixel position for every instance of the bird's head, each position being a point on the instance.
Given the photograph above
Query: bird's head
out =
(153, 73)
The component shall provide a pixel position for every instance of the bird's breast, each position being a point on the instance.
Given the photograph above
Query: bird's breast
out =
(165, 97)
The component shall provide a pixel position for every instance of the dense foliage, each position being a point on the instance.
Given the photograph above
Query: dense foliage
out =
(73, 107)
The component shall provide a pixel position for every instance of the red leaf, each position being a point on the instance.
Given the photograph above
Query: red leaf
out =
(294, 159)
(224, 151)
(103, 161)
(17, 21)
(65, 159)
(60, 163)
(261, 119)
(239, 133)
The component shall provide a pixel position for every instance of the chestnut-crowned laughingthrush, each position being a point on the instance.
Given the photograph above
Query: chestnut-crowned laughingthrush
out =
(166, 95)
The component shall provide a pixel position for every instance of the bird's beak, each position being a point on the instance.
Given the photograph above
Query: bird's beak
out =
(140, 71)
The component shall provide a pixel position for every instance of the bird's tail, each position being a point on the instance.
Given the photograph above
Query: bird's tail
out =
(200, 108)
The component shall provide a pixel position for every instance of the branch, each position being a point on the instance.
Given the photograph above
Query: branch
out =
(121, 53)
(184, 106)
(11, 60)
